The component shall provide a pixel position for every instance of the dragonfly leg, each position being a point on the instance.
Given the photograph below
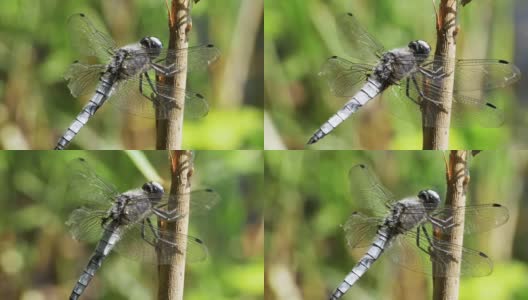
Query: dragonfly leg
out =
(165, 70)
(407, 85)
(443, 224)
(434, 74)
(167, 215)
(423, 96)
(154, 92)
(425, 250)
(154, 232)
(141, 88)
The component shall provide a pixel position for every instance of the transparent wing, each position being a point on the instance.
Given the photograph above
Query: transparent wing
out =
(131, 96)
(373, 196)
(139, 243)
(201, 201)
(82, 78)
(85, 224)
(484, 74)
(344, 78)
(360, 230)
(405, 252)
(470, 74)
(88, 40)
(87, 188)
(477, 218)
(466, 111)
(357, 41)
(198, 57)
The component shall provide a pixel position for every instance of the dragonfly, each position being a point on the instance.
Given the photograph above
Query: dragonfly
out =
(418, 77)
(403, 229)
(127, 222)
(124, 76)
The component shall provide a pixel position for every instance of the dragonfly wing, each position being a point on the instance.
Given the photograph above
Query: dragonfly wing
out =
(405, 252)
(360, 230)
(89, 189)
(357, 41)
(140, 242)
(198, 58)
(85, 224)
(130, 98)
(477, 218)
(89, 40)
(466, 111)
(201, 201)
(484, 74)
(344, 78)
(83, 78)
(371, 193)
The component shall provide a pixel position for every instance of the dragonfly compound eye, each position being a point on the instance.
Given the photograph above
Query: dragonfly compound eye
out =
(420, 47)
(430, 198)
(151, 42)
(153, 188)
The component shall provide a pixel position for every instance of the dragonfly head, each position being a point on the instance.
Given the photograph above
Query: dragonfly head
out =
(153, 44)
(420, 48)
(430, 199)
(153, 189)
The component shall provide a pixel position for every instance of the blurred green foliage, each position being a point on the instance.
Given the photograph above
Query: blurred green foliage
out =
(35, 52)
(301, 34)
(40, 260)
(309, 198)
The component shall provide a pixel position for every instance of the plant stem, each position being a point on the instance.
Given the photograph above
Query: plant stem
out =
(172, 275)
(446, 288)
(169, 131)
(436, 117)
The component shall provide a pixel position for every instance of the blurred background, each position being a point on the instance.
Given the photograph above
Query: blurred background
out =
(35, 52)
(300, 35)
(40, 260)
(309, 198)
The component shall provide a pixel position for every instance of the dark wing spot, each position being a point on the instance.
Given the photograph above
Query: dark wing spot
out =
(502, 61)
(209, 190)
(350, 14)
(362, 166)
(82, 15)
(491, 105)
(335, 56)
(199, 96)
(496, 205)
(210, 46)
(483, 255)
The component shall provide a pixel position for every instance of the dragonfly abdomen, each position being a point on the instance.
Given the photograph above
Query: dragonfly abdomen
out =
(111, 236)
(101, 94)
(370, 90)
(373, 253)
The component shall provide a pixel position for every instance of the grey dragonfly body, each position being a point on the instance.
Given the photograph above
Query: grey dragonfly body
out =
(417, 74)
(125, 76)
(405, 229)
(127, 223)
